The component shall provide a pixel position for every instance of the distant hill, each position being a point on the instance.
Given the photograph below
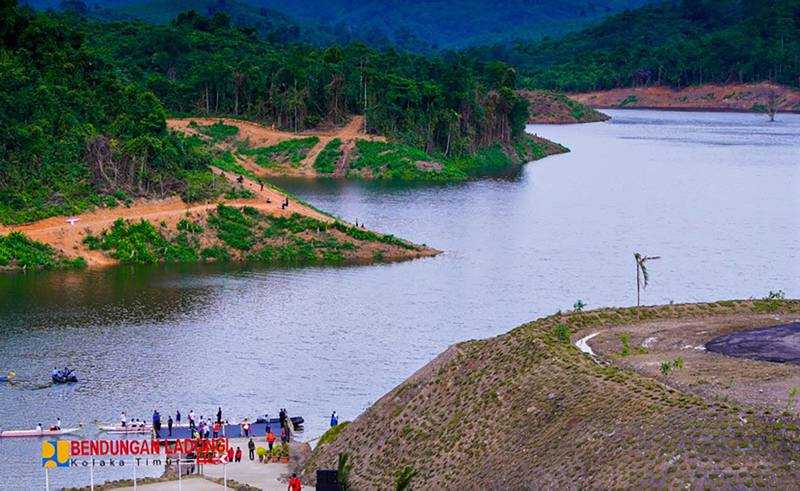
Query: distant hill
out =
(269, 23)
(417, 26)
(675, 43)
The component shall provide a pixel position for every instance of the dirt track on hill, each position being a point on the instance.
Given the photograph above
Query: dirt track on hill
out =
(68, 237)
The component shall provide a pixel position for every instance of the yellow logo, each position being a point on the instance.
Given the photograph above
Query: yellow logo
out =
(55, 453)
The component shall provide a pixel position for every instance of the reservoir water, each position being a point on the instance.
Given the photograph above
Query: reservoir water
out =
(716, 195)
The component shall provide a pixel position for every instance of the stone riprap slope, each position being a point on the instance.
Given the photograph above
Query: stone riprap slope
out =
(528, 410)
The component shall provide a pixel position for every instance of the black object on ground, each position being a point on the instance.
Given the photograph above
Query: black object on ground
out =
(327, 480)
(776, 343)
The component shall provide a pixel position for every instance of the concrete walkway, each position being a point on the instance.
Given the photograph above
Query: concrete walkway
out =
(187, 484)
(262, 476)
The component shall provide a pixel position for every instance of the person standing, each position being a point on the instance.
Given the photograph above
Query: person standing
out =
(231, 454)
(169, 426)
(251, 445)
(246, 428)
(123, 419)
(334, 419)
(58, 423)
(219, 414)
(178, 417)
(284, 435)
(294, 483)
(157, 423)
(238, 456)
(270, 438)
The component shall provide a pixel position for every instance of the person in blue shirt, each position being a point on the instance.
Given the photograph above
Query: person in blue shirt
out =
(334, 419)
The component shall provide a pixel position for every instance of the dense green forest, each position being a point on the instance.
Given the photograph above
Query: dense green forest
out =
(73, 134)
(677, 43)
(418, 26)
(84, 103)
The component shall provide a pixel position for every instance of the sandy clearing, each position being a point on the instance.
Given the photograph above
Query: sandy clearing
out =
(709, 375)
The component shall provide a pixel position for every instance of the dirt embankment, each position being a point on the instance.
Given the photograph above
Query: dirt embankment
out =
(257, 135)
(528, 410)
(546, 107)
(733, 97)
(66, 234)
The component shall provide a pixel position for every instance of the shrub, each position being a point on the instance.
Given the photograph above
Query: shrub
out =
(203, 185)
(625, 338)
(579, 305)
(185, 225)
(666, 367)
(218, 131)
(325, 162)
(288, 151)
(216, 253)
(561, 332)
(18, 250)
(233, 227)
(332, 434)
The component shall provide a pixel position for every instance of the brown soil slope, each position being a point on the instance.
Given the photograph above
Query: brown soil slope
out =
(527, 410)
(734, 97)
(555, 108)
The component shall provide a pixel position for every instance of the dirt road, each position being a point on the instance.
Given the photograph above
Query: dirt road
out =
(66, 234)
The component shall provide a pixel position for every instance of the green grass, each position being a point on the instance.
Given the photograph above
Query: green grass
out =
(19, 251)
(370, 236)
(142, 243)
(289, 151)
(233, 227)
(218, 131)
(332, 434)
(325, 162)
(203, 185)
(396, 161)
(227, 162)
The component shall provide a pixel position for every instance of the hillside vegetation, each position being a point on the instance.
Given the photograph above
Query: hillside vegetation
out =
(676, 43)
(421, 25)
(84, 105)
(528, 410)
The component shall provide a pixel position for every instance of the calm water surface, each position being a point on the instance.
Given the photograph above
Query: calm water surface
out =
(716, 195)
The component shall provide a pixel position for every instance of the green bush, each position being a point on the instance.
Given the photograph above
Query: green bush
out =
(332, 434)
(325, 162)
(203, 185)
(561, 332)
(18, 250)
(367, 235)
(233, 227)
(291, 151)
(216, 253)
(218, 131)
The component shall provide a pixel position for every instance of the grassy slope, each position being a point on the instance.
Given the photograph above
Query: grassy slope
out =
(244, 233)
(527, 409)
(553, 107)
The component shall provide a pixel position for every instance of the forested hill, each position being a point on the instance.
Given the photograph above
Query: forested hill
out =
(84, 103)
(676, 43)
(206, 67)
(419, 25)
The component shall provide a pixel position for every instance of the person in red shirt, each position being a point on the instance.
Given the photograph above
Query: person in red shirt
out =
(238, 455)
(294, 483)
(230, 454)
(270, 438)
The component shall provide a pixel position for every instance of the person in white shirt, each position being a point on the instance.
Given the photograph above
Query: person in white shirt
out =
(124, 419)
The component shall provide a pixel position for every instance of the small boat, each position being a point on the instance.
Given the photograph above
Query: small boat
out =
(111, 428)
(37, 433)
(297, 421)
(61, 379)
